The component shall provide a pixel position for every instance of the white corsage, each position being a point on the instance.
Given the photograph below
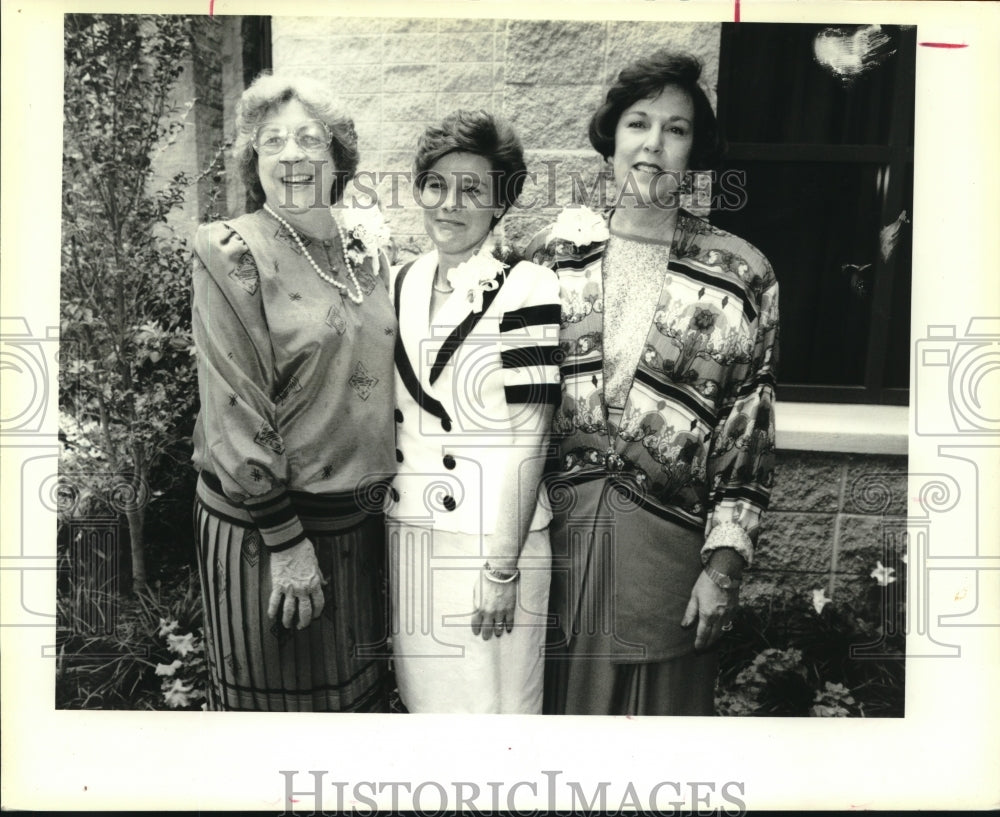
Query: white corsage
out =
(477, 275)
(365, 229)
(580, 226)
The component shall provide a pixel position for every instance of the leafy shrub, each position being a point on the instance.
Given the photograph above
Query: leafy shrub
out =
(112, 649)
(817, 657)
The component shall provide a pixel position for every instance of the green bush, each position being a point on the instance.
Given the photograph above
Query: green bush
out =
(817, 657)
(143, 651)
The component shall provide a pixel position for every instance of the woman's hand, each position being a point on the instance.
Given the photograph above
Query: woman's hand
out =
(495, 603)
(296, 578)
(712, 608)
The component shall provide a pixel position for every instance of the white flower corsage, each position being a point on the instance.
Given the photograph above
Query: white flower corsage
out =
(365, 228)
(477, 275)
(580, 226)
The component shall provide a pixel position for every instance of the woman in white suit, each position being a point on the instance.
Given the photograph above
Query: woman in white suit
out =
(476, 381)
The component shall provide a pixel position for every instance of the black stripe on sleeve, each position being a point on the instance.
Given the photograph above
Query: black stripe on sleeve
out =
(535, 393)
(525, 356)
(531, 316)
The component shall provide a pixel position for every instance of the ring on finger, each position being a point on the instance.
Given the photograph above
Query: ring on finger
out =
(727, 627)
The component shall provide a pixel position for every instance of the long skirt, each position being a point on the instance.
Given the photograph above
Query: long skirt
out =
(440, 664)
(621, 581)
(336, 664)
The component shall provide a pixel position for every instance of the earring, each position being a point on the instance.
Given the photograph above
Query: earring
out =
(686, 187)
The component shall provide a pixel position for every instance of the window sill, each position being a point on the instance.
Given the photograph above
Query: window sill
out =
(843, 428)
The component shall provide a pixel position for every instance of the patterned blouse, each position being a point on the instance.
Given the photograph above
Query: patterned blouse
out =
(295, 380)
(695, 440)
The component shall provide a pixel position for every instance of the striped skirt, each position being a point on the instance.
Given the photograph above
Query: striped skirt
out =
(336, 664)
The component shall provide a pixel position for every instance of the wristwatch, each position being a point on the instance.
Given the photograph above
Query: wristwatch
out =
(722, 580)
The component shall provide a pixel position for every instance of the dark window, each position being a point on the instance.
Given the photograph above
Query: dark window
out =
(828, 162)
(256, 47)
(257, 58)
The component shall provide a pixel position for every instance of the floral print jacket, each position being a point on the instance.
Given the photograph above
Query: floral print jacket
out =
(695, 443)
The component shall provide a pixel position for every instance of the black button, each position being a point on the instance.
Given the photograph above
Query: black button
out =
(394, 494)
(399, 455)
(399, 416)
(449, 503)
(446, 424)
(449, 461)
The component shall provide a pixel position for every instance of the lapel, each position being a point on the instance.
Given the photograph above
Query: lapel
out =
(454, 322)
(413, 304)
(413, 284)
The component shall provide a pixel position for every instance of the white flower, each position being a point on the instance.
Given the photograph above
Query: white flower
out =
(580, 226)
(181, 644)
(477, 275)
(363, 222)
(177, 694)
(167, 627)
(820, 600)
(883, 575)
(168, 669)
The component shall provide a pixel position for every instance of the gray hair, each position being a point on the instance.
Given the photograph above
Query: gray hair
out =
(267, 93)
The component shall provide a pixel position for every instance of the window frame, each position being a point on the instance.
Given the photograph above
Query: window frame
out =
(895, 158)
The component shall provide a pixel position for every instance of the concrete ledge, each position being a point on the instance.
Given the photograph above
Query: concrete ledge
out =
(845, 428)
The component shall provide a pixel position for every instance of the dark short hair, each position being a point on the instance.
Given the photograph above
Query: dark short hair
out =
(645, 79)
(480, 133)
(268, 92)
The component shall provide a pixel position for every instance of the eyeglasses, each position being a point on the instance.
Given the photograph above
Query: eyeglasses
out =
(312, 136)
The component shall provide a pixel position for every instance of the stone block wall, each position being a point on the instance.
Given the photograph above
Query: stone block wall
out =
(832, 517)
(396, 76)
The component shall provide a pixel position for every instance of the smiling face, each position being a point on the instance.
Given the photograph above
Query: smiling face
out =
(653, 142)
(295, 179)
(457, 196)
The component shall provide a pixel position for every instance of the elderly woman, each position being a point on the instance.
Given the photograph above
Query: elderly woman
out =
(476, 380)
(294, 330)
(666, 425)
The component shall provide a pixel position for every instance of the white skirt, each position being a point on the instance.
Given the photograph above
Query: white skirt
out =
(441, 666)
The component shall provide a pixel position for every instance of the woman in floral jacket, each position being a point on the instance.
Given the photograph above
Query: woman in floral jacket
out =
(666, 427)
(476, 384)
(294, 330)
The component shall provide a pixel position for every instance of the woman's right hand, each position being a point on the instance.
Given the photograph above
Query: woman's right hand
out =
(296, 585)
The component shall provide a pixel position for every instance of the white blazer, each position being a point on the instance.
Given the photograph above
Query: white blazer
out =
(462, 387)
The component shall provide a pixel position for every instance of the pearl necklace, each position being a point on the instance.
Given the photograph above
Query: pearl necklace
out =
(359, 297)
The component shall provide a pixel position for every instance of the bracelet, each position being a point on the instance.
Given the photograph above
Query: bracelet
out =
(722, 580)
(499, 576)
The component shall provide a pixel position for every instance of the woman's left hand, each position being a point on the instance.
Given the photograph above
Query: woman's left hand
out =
(712, 608)
(495, 605)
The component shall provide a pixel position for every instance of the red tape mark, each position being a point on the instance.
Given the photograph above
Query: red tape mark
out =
(944, 45)
(211, 8)
(736, 11)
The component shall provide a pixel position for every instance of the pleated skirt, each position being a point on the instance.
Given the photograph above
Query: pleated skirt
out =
(440, 665)
(336, 664)
(621, 580)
